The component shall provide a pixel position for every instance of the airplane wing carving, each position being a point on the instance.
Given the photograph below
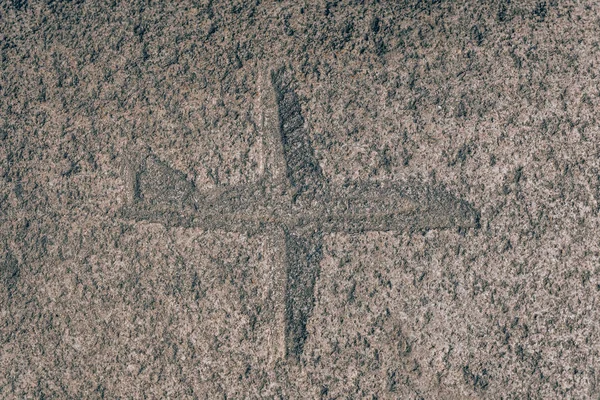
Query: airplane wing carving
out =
(303, 255)
(302, 168)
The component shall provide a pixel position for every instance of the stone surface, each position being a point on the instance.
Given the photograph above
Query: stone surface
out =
(492, 104)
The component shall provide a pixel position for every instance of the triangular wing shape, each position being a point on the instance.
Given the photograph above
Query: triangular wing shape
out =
(288, 152)
(303, 255)
(274, 167)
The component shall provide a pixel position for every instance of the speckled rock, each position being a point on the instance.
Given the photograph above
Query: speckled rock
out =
(494, 103)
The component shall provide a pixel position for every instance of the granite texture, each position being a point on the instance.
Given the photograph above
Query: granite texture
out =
(487, 107)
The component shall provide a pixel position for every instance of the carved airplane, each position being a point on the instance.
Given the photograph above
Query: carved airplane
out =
(292, 203)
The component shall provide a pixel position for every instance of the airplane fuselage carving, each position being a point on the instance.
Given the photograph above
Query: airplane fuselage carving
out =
(365, 207)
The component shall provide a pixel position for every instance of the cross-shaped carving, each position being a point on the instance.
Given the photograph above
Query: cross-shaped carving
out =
(292, 203)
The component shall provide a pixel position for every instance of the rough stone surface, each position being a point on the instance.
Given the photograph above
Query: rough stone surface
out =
(494, 103)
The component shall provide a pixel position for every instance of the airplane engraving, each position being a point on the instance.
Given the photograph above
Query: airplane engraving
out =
(292, 204)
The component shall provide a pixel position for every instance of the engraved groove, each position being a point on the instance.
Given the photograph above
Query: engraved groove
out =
(292, 203)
